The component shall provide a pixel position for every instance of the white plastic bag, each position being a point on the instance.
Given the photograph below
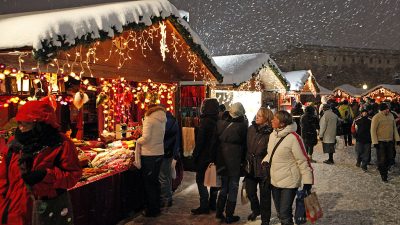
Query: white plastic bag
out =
(339, 143)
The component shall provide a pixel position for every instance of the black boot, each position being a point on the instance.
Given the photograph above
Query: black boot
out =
(212, 202)
(199, 211)
(230, 209)
(220, 208)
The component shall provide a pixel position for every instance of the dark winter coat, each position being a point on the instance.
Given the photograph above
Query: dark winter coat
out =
(309, 126)
(206, 142)
(171, 137)
(363, 129)
(232, 134)
(297, 112)
(257, 143)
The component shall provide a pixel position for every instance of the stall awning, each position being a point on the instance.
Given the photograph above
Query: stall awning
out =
(238, 69)
(141, 31)
(394, 89)
(349, 89)
(302, 81)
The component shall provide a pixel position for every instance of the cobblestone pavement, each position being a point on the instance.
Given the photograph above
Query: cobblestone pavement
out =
(348, 196)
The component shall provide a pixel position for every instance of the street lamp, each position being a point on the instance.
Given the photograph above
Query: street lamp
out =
(365, 86)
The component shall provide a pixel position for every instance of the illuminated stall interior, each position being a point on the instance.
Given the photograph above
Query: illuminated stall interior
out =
(252, 79)
(301, 82)
(348, 92)
(383, 92)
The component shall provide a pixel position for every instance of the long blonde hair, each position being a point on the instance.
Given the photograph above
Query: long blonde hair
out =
(267, 115)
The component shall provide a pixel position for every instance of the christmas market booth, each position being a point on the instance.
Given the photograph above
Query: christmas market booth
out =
(302, 82)
(383, 92)
(252, 79)
(348, 92)
(100, 67)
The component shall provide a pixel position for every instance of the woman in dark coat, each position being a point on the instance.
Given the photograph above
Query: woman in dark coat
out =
(232, 132)
(257, 142)
(297, 112)
(309, 126)
(204, 153)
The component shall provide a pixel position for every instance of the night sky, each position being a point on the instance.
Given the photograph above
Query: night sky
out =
(247, 26)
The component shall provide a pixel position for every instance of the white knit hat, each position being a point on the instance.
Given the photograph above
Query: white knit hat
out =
(237, 110)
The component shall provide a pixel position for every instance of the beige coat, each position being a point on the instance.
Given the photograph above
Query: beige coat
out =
(290, 165)
(327, 127)
(383, 128)
(152, 140)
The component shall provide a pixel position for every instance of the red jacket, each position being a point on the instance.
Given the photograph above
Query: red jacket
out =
(14, 193)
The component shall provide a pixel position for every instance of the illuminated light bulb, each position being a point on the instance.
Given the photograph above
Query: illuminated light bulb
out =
(147, 100)
(22, 102)
(86, 82)
(13, 70)
(162, 96)
(136, 102)
(138, 88)
(149, 80)
(5, 105)
(7, 72)
(158, 101)
(2, 76)
(66, 79)
(167, 109)
(142, 106)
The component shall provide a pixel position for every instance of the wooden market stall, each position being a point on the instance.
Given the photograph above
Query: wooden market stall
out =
(301, 83)
(383, 92)
(252, 79)
(117, 58)
(347, 91)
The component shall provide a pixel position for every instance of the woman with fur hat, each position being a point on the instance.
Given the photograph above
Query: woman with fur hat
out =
(40, 164)
(204, 153)
(232, 134)
(152, 151)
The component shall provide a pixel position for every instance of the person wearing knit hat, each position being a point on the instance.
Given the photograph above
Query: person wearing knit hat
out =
(43, 163)
(232, 136)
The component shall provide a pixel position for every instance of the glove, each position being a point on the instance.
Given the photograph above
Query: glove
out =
(307, 188)
(34, 177)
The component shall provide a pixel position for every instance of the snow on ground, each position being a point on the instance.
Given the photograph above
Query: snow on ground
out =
(347, 195)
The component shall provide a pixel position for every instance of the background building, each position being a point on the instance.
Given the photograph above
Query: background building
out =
(333, 66)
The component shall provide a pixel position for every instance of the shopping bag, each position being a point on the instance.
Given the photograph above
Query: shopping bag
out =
(313, 208)
(138, 154)
(300, 212)
(210, 177)
(339, 143)
(243, 194)
(53, 211)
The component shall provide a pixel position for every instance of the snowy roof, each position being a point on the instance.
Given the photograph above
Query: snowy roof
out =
(240, 68)
(89, 23)
(298, 79)
(390, 87)
(324, 90)
(349, 89)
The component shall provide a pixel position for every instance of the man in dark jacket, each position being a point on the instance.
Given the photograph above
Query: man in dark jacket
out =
(171, 153)
(204, 153)
(363, 139)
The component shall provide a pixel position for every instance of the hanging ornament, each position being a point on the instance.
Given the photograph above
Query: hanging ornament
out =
(101, 98)
(80, 99)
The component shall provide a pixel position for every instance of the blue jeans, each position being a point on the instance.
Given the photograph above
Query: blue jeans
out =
(166, 180)
(363, 151)
(150, 173)
(229, 188)
(283, 199)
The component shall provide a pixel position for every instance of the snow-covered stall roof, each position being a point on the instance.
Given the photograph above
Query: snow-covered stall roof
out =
(391, 87)
(50, 31)
(298, 79)
(240, 68)
(322, 91)
(349, 89)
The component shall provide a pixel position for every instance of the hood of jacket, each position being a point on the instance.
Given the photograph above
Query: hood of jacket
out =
(286, 130)
(158, 115)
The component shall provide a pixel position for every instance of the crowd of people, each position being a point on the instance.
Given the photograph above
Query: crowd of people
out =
(273, 154)
(269, 154)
